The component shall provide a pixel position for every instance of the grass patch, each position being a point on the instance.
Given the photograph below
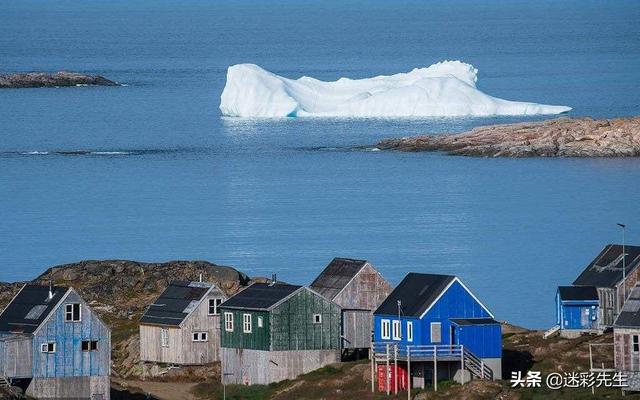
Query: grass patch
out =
(214, 391)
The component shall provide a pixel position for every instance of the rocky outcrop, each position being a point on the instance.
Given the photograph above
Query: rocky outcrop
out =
(58, 79)
(561, 137)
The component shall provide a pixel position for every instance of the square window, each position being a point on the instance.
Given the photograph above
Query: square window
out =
(317, 318)
(214, 306)
(48, 347)
(72, 312)
(199, 336)
(89, 345)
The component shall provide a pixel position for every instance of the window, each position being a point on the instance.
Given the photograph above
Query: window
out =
(636, 343)
(409, 331)
(246, 323)
(397, 331)
(259, 322)
(228, 322)
(214, 305)
(72, 312)
(199, 336)
(385, 331)
(89, 345)
(164, 337)
(317, 318)
(436, 332)
(48, 347)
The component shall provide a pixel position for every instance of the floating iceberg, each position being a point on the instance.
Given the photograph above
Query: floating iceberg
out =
(444, 89)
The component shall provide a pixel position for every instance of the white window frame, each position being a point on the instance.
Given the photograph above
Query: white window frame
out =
(396, 329)
(260, 322)
(216, 306)
(44, 347)
(431, 330)
(635, 343)
(385, 329)
(199, 336)
(317, 318)
(164, 337)
(247, 323)
(409, 331)
(228, 322)
(68, 312)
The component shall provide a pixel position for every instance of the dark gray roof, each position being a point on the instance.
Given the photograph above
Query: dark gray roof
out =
(336, 276)
(630, 314)
(606, 269)
(29, 308)
(177, 301)
(416, 292)
(474, 321)
(578, 293)
(260, 296)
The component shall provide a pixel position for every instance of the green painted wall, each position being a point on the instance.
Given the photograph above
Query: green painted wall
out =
(293, 327)
(258, 339)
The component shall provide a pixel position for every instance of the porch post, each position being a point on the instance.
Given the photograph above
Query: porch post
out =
(372, 355)
(395, 368)
(388, 381)
(462, 362)
(435, 368)
(408, 372)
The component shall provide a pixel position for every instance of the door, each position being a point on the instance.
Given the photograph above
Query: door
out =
(453, 337)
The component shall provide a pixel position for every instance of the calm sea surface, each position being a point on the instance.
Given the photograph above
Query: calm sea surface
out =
(286, 196)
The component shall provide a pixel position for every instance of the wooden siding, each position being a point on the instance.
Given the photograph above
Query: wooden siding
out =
(293, 328)
(182, 349)
(79, 387)
(366, 291)
(16, 357)
(608, 306)
(69, 359)
(624, 357)
(258, 339)
(356, 329)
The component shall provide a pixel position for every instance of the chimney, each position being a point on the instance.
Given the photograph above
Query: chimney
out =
(273, 280)
(50, 290)
(200, 276)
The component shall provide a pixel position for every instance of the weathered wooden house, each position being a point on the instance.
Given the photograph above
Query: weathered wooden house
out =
(435, 328)
(182, 327)
(358, 288)
(274, 331)
(54, 343)
(626, 339)
(577, 309)
(606, 274)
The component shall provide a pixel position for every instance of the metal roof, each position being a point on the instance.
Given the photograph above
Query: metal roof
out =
(29, 308)
(473, 321)
(416, 293)
(260, 296)
(606, 269)
(578, 293)
(336, 276)
(177, 301)
(630, 314)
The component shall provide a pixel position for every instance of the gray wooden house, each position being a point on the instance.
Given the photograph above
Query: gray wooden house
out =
(626, 340)
(274, 331)
(55, 344)
(182, 326)
(605, 273)
(358, 288)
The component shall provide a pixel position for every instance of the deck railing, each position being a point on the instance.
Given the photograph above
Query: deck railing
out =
(420, 351)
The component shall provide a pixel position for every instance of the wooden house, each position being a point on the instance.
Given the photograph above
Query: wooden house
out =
(55, 344)
(577, 309)
(433, 327)
(358, 288)
(605, 273)
(274, 331)
(626, 340)
(182, 326)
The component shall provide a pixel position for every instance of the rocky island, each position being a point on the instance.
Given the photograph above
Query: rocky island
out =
(561, 137)
(57, 79)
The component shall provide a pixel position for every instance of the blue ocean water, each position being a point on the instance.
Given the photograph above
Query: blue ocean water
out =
(287, 195)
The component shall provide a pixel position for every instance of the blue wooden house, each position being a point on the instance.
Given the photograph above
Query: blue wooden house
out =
(53, 343)
(577, 309)
(436, 328)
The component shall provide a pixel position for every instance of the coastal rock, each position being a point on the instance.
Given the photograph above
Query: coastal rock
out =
(58, 79)
(561, 137)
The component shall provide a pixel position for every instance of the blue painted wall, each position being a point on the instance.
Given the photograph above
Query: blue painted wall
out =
(485, 341)
(576, 314)
(69, 359)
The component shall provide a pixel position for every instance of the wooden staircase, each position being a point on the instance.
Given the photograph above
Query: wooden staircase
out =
(551, 332)
(476, 366)
(4, 381)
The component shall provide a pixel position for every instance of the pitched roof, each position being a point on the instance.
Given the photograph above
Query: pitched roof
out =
(336, 276)
(416, 293)
(474, 321)
(260, 296)
(29, 308)
(578, 293)
(606, 269)
(630, 314)
(177, 301)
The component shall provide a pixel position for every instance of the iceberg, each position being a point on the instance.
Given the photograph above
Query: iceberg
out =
(445, 89)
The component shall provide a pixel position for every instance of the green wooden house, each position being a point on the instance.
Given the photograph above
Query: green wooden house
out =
(275, 331)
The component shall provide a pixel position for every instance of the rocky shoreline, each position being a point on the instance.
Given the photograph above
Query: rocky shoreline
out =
(560, 137)
(57, 79)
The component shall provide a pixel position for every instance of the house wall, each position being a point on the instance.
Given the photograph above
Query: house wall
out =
(258, 339)
(630, 281)
(608, 306)
(485, 341)
(69, 360)
(356, 329)
(624, 357)
(77, 387)
(16, 357)
(293, 328)
(578, 315)
(366, 291)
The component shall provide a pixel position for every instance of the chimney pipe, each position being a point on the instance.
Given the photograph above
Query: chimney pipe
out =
(273, 279)
(50, 290)
(200, 276)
